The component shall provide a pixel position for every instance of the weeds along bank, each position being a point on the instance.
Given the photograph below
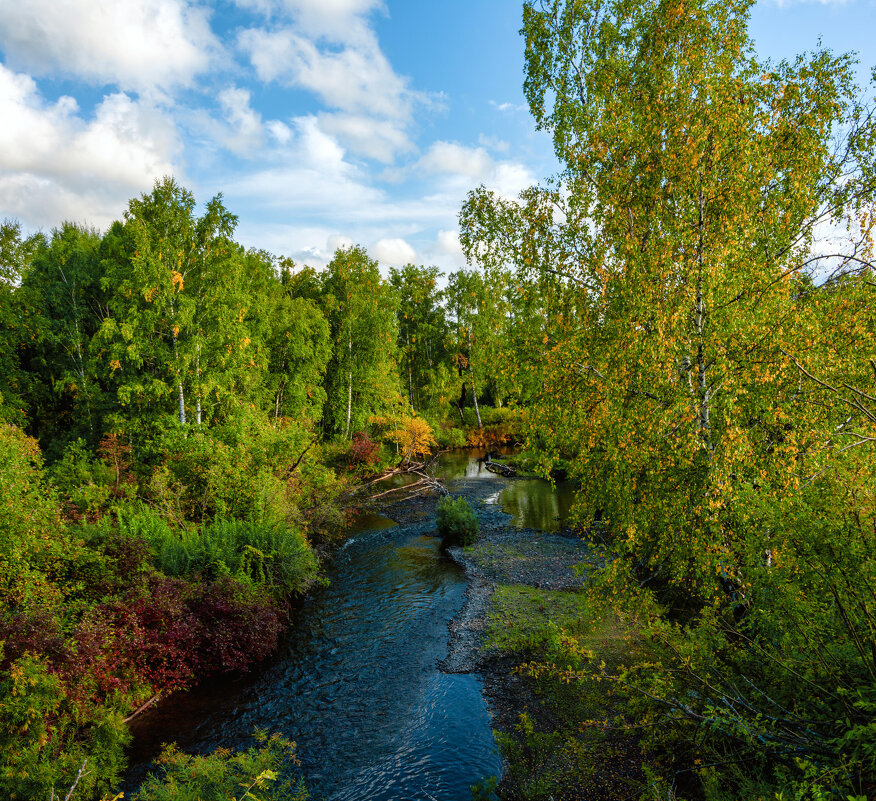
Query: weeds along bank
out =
(109, 604)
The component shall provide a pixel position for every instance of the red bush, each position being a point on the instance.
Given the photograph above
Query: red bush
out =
(363, 449)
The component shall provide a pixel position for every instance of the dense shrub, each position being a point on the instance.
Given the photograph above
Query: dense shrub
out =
(364, 451)
(47, 732)
(270, 769)
(272, 554)
(457, 521)
(176, 632)
(450, 437)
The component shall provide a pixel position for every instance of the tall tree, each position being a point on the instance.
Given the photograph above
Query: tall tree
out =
(64, 279)
(361, 377)
(674, 252)
(178, 309)
(20, 321)
(422, 333)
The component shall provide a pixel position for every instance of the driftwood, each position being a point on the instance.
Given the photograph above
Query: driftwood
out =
(499, 469)
(142, 708)
(426, 480)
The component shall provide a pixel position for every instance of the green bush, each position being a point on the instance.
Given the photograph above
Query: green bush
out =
(271, 554)
(457, 521)
(450, 437)
(266, 773)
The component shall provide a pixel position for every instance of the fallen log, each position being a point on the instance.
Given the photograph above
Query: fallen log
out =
(499, 469)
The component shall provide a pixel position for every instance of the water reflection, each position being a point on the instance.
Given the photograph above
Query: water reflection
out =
(534, 503)
(365, 520)
(468, 463)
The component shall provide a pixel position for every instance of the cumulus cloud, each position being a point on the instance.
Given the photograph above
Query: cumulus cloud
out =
(134, 44)
(381, 140)
(309, 177)
(330, 50)
(55, 164)
(244, 132)
(394, 252)
(352, 79)
(448, 244)
(337, 242)
(336, 19)
(449, 157)
(459, 168)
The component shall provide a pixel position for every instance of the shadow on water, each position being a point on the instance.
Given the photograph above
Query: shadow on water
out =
(535, 504)
(356, 684)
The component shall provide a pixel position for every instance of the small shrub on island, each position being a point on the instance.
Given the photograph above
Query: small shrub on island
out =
(457, 521)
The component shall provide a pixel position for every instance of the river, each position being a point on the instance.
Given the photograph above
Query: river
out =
(357, 683)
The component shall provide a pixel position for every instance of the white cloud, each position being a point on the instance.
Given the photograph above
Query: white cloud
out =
(56, 165)
(377, 139)
(330, 50)
(353, 79)
(309, 177)
(508, 107)
(449, 157)
(448, 244)
(394, 252)
(135, 44)
(245, 133)
(281, 132)
(494, 143)
(335, 19)
(459, 169)
(336, 242)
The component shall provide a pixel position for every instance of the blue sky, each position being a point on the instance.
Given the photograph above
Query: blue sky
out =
(322, 122)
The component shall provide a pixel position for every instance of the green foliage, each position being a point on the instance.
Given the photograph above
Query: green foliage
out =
(266, 772)
(422, 337)
(271, 554)
(47, 734)
(83, 482)
(449, 437)
(707, 375)
(361, 376)
(34, 548)
(457, 522)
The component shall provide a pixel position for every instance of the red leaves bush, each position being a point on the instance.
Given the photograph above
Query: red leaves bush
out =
(175, 631)
(363, 450)
(161, 635)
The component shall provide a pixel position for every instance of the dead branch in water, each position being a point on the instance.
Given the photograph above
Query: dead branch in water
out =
(142, 708)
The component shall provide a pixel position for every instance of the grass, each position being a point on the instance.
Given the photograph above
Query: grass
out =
(559, 745)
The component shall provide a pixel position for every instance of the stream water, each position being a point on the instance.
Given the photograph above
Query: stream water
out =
(357, 684)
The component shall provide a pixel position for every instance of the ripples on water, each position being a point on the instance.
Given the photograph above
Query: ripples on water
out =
(358, 688)
(357, 684)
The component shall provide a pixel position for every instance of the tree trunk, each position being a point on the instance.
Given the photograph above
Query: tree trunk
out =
(198, 379)
(474, 397)
(182, 406)
(700, 321)
(349, 388)
(461, 404)
(410, 377)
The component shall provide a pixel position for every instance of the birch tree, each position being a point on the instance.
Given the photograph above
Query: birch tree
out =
(361, 378)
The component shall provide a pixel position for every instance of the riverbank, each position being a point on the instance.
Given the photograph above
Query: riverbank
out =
(524, 586)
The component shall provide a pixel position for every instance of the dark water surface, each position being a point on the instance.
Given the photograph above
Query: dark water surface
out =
(357, 684)
(534, 503)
